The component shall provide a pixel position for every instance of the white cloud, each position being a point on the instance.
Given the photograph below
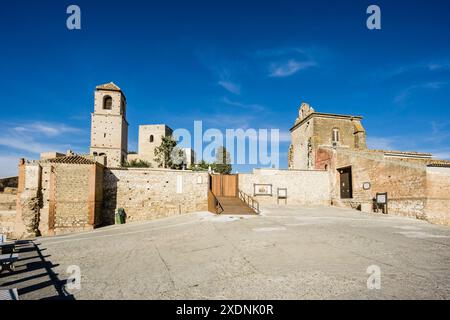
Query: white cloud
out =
(230, 86)
(286, 69)
(38, 137)
(253, 107)
(229, 121)
(48, 129)
(29, 144)
(389, 72)
(433, 66)
(406, 93)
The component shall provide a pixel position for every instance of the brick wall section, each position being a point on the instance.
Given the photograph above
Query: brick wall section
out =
(437, 209)
(75, 197)
(404, 181)
(153, 193)
(99, 172)
(307, 188)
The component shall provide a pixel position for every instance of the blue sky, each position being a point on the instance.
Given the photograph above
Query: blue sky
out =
(231, 64)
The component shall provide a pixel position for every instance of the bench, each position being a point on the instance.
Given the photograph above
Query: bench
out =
(7, 260)
(9, 294)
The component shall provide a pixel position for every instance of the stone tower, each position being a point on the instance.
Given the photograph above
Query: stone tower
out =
(313, 130)
(109, 127)
(150, 137)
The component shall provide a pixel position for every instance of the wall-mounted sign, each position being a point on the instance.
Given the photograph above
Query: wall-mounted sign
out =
(262, 189)
(179, 184)
(381, 202)
(366, 185)
(282, 194)
(381, 198)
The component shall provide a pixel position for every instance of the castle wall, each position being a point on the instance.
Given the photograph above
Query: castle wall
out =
(75, 197)
(58, 198)
(299, 143)
(437, 208)
(308, 188)
(405, 182)
(28, 200)
(153, 193)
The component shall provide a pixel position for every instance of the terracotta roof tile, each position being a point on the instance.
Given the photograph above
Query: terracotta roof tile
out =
(71, 160)
(109, 86)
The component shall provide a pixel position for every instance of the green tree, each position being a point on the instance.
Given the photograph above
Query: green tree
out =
(178, 158)
(137, 163)
(223, 161)
(201, 166)
(163, 153)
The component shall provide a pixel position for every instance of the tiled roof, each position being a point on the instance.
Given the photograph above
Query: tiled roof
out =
(71, 160)
(358, 127)
(108, 86)
(412, 153)
(440, 163)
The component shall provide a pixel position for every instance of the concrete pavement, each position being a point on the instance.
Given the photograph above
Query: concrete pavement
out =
(285, 253)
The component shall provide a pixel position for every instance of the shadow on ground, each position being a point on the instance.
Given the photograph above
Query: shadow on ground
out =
(33, 275)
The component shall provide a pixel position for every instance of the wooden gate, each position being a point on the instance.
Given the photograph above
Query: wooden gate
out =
(346, 183)
(224, 185)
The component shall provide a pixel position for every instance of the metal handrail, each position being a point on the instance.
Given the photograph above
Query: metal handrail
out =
(217, 204)
(246, 198)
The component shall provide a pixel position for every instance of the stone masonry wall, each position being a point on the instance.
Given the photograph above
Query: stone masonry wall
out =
(323, 128)
(153, 193)
(307, 188)
(437, 209)
(299, 145)
(28, 200)
(405, 182)
(71, 190)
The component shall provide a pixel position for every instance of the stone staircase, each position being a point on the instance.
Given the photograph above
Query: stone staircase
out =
(234, 205)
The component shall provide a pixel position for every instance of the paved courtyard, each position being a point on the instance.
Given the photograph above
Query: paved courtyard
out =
(288, 253)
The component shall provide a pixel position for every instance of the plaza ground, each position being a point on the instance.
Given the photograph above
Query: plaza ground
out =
(285, 253)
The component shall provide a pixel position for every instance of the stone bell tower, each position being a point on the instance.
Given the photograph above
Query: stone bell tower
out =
(109, 127)
(313, 130)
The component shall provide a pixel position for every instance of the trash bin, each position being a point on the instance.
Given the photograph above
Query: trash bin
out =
(117, 217)
(122, 215)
